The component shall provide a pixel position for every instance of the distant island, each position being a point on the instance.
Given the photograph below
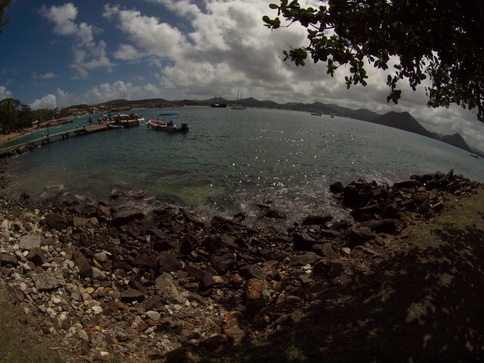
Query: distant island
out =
(400, 120)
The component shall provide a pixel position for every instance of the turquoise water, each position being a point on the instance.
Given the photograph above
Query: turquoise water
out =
(232, 160)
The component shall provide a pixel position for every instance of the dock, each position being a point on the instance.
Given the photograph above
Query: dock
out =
(30, 145)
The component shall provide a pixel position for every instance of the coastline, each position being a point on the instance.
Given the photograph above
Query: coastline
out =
(7, 138)
(165, 283)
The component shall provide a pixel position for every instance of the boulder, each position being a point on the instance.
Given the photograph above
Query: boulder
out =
(126, 216)
(36, 256)
(29, 241)
(85, 269)
(316, 220)
(336, 188)
(358, 236)
(48, 280)
(8, 260)
(167, 290)
(303, 241)
(168, 262)
(56, 221)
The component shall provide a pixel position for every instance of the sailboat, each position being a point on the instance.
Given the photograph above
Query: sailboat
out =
(218, 104)
(238, 106)
(474, 154)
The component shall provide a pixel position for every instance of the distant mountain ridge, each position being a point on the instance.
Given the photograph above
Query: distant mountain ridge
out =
(400, 120)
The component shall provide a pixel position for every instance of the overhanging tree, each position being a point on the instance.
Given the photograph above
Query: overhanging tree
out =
(3, 5)
(436, 39)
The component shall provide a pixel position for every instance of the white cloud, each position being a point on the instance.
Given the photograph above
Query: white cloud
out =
(48, 75)
(49, 101)
(102, 93)
(220, 47)
(149, 37)
(88, 54)
(180, 7)
(5, 93)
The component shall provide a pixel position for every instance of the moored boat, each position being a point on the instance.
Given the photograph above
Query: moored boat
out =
(165, 123)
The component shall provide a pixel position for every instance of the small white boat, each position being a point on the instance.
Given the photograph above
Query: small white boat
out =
(115, 126)
(165, 123)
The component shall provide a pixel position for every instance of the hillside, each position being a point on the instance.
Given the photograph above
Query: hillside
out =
(402, 121)
(457, 140)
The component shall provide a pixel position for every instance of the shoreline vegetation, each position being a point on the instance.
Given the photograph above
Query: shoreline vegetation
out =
(401, 279)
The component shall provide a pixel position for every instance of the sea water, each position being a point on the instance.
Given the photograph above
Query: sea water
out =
(234, 160)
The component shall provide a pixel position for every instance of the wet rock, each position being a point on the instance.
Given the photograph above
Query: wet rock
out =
(357, 194)
(126, 216)
(336, 187)
(316, 220)
(190, 217)
(273, 213)
(303, 241)
(220, 222)
(408, 184)
(366, 213)
(330, 233)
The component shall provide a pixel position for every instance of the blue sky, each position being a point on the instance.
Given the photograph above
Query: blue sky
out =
(60, 53)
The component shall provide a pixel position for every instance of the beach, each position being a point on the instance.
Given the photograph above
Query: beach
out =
(109, 280)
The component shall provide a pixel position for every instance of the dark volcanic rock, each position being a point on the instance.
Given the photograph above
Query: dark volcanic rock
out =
(85, 269)
(336, 187)
(317, 220)
(168, 262)
(358, 236)
(303, 241)
(389, 226)
(56, 221)
(37, 256)
(126, 216)
(130, 295)
(7, 259)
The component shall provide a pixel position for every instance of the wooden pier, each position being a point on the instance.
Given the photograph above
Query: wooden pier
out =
(28, 145)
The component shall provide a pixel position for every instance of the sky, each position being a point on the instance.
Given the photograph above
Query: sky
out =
(61, 53)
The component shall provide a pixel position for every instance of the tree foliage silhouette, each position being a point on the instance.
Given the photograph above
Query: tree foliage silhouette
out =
(436, 39)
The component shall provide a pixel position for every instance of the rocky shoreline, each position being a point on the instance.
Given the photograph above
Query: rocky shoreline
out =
(118, 282)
